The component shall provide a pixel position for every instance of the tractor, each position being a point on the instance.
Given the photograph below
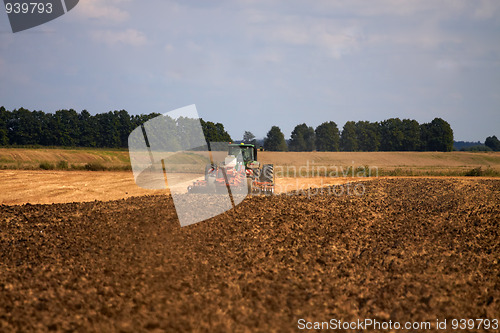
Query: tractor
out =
(240, 171)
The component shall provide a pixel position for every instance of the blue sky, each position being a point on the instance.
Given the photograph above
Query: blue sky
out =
(254, 64)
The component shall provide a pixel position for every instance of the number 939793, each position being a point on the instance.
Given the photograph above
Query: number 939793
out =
(28, 8)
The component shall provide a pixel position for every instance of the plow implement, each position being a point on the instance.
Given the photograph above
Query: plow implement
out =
(240, 173)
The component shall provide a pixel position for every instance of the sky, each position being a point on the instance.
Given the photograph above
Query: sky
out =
(254, 64)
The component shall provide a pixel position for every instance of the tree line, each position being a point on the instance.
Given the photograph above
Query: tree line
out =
(492, 143)
(68, 128)
(392, 134)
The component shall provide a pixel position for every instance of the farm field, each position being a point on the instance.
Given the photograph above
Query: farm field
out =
(54, 186)
(383, 163)
(288, 163)
(22, 181)
(406, 250)
(27, 158)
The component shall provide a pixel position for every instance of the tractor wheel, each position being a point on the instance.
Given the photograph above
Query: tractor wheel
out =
(267, 174)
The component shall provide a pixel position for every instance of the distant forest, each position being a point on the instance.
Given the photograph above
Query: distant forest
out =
(389, 135)
(69, 128)
(488, 145)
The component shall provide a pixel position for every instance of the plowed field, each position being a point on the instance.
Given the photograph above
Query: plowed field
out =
(406, 250)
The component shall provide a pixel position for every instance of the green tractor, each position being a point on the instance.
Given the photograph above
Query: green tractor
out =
(240, 167)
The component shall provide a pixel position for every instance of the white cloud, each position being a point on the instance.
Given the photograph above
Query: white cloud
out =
(334, 38)
(344, 26)
(168, 48)
(395, 8)
(423, 37)
(17, 74)
(339, 28)
(477, 9)
(106, 10)
(128, 37)
(272, 56)
(486, 9)
(6, 40)
(447, 65)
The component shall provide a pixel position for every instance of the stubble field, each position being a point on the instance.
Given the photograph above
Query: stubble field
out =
(385, 163)
(22, 181)
(407, 250)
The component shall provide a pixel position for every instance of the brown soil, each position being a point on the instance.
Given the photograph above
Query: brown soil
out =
(406, 250)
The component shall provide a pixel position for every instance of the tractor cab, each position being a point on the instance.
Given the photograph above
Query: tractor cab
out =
(248, 151)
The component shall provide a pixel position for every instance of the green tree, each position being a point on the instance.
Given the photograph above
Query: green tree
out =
(348, 138)
(297, 141)
(493, 143)
(124, 127)
(142, 118)
(47, 134)
(275, 140)
(411, 135)
(88, 130)
(310, 138)
(215, 132)
(108, 130)
(391, 134)
(436, 135)
(425, 135)
(302, 138)
(111, 129)
(66, 126)
(4, 120)
(327, 137)
(249, 138)
(222, 134)
(23, 128)
(367, 135)
(167, 134)
(4, 139)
